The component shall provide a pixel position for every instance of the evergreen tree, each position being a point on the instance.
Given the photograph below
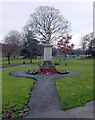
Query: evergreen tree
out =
(30, 46)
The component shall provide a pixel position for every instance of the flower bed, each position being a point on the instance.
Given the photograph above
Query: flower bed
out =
(48, 72)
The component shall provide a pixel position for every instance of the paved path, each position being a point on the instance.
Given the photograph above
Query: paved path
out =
(15, 66)
(45, 102)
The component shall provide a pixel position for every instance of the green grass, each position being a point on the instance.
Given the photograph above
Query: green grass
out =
(15, 91)
(76, 91)
(73, 91)
(17, 61)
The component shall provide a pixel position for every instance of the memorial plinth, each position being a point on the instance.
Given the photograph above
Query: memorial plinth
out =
(48, 52)
(48, 65)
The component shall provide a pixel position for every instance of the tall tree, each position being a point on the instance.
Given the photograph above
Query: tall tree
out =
(11, 42)
(48, 18)
(88, 43)
(8, 50)
(91, 47)
(64, 45)
(30, 45)
(14, 37)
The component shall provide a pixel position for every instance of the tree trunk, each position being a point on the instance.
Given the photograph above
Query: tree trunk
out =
(83, 55)
(65, 61)
(8, 60)
(31, 60)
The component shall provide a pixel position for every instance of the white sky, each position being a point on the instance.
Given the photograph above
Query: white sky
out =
(14, 15)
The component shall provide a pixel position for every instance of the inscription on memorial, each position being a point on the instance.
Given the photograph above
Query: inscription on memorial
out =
(48, 52)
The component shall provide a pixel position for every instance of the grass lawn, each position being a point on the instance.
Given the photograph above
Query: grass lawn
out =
(15, 92)
(17, 61)
(73, 91)
(76, 91)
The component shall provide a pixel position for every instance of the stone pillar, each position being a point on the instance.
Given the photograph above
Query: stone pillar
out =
(48, 65)
(48, 52)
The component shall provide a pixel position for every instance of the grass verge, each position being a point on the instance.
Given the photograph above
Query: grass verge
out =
(76, 91)
(15, 93)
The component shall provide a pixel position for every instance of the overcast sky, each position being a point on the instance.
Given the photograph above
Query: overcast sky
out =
(80, 14)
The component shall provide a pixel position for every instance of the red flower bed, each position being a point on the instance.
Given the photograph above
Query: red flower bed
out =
(48, 72)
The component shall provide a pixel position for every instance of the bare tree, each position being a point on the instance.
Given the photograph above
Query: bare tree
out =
(87, 39)
(8, 50)
(13, 37)
(48, 18)
(84, 45)
(11, 43)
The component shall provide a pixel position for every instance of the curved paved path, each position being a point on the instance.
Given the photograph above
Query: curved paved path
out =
(45, 102)
(15, 66)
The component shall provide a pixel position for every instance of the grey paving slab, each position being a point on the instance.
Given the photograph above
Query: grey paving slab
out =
(85, 111)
